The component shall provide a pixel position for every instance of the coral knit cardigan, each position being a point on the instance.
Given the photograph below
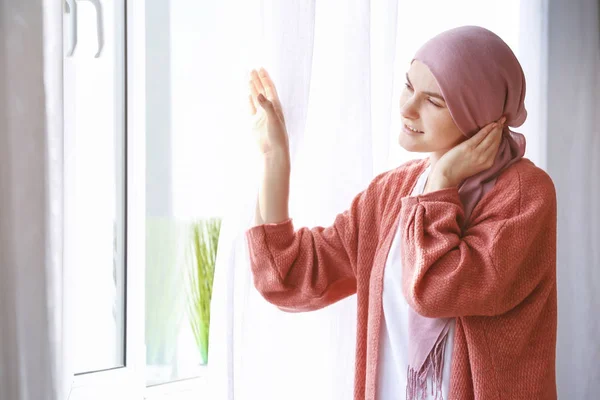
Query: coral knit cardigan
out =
(498, 278)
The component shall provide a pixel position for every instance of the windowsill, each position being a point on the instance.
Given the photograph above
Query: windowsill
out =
(187, 389)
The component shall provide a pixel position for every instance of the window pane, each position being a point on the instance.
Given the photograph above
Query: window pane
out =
(185, 169)
(95, 182)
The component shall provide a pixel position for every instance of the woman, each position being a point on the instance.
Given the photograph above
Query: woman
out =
(452, 258)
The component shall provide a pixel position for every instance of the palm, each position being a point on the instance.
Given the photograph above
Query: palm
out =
(268, 126)
(472, 156)
(453, 156)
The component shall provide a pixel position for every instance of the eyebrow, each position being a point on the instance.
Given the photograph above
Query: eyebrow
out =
(432, 94)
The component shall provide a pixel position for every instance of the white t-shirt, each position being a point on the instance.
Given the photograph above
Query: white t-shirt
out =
(393, 349)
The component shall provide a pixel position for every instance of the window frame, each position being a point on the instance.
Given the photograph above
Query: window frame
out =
(128, 382)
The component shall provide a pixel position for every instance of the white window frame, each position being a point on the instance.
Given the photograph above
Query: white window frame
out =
(128, 382)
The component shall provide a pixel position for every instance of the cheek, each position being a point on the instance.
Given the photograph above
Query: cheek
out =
(444, 130)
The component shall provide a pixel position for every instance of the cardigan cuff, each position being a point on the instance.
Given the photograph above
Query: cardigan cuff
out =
(272, 234)
(449, 195)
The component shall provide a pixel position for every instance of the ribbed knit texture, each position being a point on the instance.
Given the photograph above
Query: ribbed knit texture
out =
(498, 278)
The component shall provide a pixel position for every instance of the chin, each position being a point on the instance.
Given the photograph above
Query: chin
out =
(412, 145)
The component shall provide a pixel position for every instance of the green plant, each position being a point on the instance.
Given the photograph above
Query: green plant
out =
(203, 250)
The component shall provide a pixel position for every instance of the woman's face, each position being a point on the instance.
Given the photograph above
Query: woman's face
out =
(423, 108)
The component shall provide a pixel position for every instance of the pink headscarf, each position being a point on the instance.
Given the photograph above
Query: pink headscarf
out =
(480, 79)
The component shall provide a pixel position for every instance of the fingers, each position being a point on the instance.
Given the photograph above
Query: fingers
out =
(257, 82)
(268, 85)
(261, 83)
(490, 139)
(253, 96)
(265, 103)
(251, 104)
(480, 136)
(489, 151)
(264, 84)
(483, 137)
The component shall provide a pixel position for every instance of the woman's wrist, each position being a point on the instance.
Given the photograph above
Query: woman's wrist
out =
(438, 182)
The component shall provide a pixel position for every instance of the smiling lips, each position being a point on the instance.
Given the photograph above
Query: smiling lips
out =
(411, 129)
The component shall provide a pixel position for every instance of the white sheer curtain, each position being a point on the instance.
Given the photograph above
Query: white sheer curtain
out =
(268, 353)
(33, 339)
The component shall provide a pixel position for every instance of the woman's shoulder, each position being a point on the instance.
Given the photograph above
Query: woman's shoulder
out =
(526, 178)
(521, 188)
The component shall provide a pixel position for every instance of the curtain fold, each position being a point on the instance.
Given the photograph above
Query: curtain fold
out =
(33, 334)
(573, 149)
(322, 73)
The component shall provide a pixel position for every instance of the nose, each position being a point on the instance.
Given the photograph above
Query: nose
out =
(409, 110)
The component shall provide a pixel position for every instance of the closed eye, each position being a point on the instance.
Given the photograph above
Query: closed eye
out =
(435, 95)
(435, 104)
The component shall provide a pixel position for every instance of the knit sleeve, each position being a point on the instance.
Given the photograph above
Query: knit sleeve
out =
(500, 259)
(309, 268)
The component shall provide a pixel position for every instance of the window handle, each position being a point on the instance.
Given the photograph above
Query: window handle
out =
(71, 10)
(99, 25)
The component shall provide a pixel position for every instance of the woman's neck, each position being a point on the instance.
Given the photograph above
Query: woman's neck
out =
(434, 157)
